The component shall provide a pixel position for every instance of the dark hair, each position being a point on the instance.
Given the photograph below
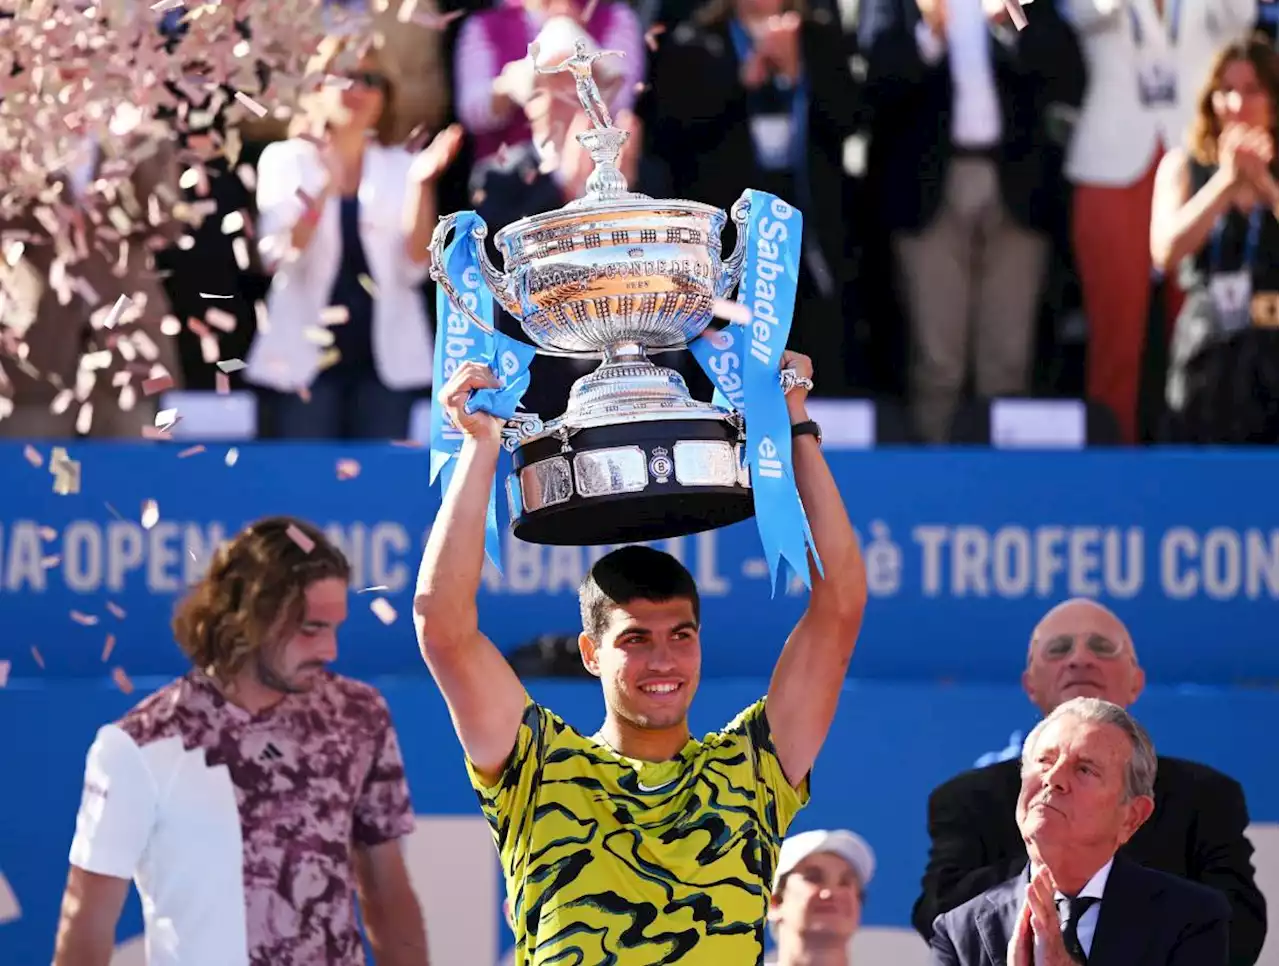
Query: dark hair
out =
(254, 591)
(1255, 50)
(632, 573)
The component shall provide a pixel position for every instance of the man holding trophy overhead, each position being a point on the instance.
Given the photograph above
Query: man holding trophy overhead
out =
(640, 844)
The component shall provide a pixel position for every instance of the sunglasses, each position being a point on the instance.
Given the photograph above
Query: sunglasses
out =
(372, 79)
(1057, 648)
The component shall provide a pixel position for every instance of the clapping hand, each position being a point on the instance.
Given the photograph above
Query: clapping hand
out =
(1245, 152)
(1038, 919)
(429, 163)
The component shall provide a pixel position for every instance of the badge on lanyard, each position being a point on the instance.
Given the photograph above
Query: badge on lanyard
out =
(1157, 64)
(771, 134)
(1232, 292)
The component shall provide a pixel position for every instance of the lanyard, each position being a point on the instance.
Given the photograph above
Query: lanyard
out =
(799, 96)
(1250, 242)
(1174, 11)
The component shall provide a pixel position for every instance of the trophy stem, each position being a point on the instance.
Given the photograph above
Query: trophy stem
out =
(625, 353)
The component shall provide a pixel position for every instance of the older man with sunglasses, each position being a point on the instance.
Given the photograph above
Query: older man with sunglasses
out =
(1081, 649)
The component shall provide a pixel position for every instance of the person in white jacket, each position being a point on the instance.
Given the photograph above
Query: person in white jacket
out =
(1146, 60)
(345, 219)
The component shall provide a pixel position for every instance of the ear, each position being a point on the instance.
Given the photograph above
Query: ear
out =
(774, 914)
(1139, 682)
(1139, 810)
(1029, 687)
(590, 654)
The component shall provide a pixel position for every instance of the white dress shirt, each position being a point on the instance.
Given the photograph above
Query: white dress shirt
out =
(1094, 888)
(284, 355)
(975, 105)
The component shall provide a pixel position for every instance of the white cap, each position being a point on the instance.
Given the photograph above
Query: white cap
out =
(850, 846)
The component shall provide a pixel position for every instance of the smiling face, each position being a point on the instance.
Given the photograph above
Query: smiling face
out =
(648, 659)
(1081, 650)
(818, 904)
(1074, 797)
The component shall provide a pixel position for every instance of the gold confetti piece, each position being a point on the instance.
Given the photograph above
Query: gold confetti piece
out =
(117, 310)
(731, 311)
(48, 563)
(334, 315)
(248, 102)
(231, 365)
(48, 533)
(221, 383)
(318, 336)
(150, 514)
(66, 476)
(157, 384)
(33, 456)
(369, 590)
(240, 249)
(84, 419)
(191, 451)
(300, 538)
(4, 673)
(368, 284)
(35, 652)
(108, 647)
(122, 680)
(383, 610)
(233, 454)
(406, 11)
(348, 469)
(116, 610)
(83, 619)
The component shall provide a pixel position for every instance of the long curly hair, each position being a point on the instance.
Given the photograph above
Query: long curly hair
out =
(1255, 50)
(253, 594)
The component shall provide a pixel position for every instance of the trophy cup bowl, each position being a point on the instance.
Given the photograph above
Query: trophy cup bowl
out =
(616, 275)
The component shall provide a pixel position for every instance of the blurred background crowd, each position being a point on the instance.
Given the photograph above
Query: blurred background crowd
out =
(1083, 209)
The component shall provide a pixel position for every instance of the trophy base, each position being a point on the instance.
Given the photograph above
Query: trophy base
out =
(630, 482)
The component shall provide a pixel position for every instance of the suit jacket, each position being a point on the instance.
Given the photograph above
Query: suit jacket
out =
(1039, 72)
(116, 258)
(1196, 831)
(1116, 139)
(1146, 918)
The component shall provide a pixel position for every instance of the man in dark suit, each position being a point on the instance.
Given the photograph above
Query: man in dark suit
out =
(1088, 777)
(965, 164)
(1197, 832)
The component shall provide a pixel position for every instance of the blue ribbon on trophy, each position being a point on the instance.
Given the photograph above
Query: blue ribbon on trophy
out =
(742, 362)
(459, 340)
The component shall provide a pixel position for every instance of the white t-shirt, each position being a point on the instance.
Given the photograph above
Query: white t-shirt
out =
(238, 828)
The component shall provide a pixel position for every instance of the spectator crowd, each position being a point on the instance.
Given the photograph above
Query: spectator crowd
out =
(1084, 208)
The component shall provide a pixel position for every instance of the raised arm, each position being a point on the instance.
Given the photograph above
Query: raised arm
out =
(1181, 223)
(810, 671)
(485, 698)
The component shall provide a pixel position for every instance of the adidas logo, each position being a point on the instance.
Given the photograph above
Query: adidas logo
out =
(271, 753)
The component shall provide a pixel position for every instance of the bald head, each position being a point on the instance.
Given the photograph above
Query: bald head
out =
(1081, 649)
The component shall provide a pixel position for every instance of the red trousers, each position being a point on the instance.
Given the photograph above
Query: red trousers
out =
(1111, 230)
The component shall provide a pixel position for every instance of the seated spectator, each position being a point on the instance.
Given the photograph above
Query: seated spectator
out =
(1081, 649)
(1088, 772)
(818, 891)
(1214, 216)
(345, 218)
(1146, 60)
(960, 103)
(758, 94)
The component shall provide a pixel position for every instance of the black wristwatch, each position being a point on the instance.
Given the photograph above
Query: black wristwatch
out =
(807, 428)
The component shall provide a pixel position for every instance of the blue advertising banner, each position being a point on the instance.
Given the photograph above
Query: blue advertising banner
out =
(889, 746)
(965, 551)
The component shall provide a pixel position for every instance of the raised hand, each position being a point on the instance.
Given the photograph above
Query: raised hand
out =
(429, 163)
(478, 425)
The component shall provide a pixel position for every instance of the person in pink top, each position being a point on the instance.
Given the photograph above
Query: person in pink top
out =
(254, 798)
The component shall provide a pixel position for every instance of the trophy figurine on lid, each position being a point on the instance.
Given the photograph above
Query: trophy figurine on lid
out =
(619, 276)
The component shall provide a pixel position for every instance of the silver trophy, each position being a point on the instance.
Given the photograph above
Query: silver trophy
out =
(615, 276)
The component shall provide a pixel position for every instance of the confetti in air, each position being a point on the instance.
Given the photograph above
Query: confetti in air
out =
(375, 587)
(117, 310)
(116, 610)
(191, 451)
(33, 456)
(39, 658)
(4, 673)
(248, 102)
(233, 454)
(157, 384)
(108, 647)
(150, 514)
(300, 538)
(66, 472)
(221, 383)
(383, 610)
(231, 365)
(731, 311)
(84, 620)
(122, 680)
(348, 469)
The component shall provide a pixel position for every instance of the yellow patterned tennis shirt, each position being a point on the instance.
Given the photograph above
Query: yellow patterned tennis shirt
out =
(611, 861)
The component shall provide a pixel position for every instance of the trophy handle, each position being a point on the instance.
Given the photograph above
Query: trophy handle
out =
(495, 280)
(731, 269)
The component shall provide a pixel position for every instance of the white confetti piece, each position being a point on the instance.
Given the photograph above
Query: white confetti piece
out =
(248, 102)
(4, 673)
(383, 610)
(348, 469)
(375, 587)
(300, 538)
(240, 249)
(232, 222)
(150, 514)
(334, 315)
(84, 620)
(117, 310)
(731, 311)
(233, 454)
(116, 610)
(231, 365)
(166, 419)
(211, 295)
(164, 6)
